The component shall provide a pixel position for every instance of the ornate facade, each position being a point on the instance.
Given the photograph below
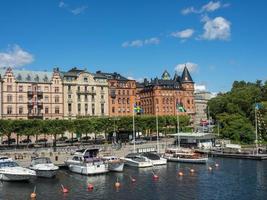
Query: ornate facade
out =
(85, 94)
(122, 93)
(31, 94)
(161, 96)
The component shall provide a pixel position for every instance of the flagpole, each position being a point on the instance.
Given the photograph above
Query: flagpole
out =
(133, 129)
(178, 126)
(256, 131)
(157, 124)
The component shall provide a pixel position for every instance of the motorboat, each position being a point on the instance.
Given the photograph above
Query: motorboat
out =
(185, 155)
(137, 160)
(43, 167)
(114, 163)
(87, 162)
(155, 158)
(11, 171)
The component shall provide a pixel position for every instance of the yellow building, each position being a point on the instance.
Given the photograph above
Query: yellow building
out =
(85, 94)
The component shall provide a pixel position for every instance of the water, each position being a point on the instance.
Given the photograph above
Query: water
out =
(233, 179)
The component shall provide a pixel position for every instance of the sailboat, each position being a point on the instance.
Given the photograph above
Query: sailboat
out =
(186, 155)
(135, 159)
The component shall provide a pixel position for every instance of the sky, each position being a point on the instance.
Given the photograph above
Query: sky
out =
(219, 41)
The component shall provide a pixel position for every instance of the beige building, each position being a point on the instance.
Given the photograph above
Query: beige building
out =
(31, 94)
(85, 94)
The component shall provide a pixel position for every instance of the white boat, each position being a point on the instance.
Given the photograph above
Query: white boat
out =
(114, 163)
(137, 160)
(44, 167)
(155, 158)
(185, 156)
(11, 171)
(87, 162)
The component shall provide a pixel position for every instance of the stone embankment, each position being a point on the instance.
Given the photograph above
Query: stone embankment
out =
(23, 156)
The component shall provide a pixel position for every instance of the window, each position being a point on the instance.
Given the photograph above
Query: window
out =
(85, 88)
(113, 109)
(102, 88)
(56, 89)
(128, 101)
(85, 79)
(20, 110)
(93, 88)
(102, 109)
(102, 96)
(39, 88)
(79, 108)
(9, 110)
(123, 101)
(86, 108)
(46, 98)
(119, 100)
(46, 89)
(113, 101)
(20, 88)
(57, 110)
(20, 98)
(69, 88)
(128, 92)
(46, 110)
(9, 88)
(123, 92)
(79, 88)
(69, 96)
(93, 109)
(69, 107)
(79, 97)
(157, 101)
(85, 98)
(29, 88)
(119, 92)
(56, 99)
(93, 98)
(9, 98)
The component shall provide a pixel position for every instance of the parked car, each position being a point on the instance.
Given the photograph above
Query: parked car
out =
(62, 139)
(86, 138)
(70, 140)
(25, 141)
(138, 141)
(10, 141)
(41, 141)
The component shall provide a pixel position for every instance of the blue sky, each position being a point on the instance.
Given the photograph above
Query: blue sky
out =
(221, 41)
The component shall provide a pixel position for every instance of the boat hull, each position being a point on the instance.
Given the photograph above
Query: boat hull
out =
(132, 163)
(46, 173)
(15, 177)
(188, 160)
(88, 169)
(161, 161)
(116, 167)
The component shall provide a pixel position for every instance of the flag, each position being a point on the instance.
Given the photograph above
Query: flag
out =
(258, 106)
(137, 109)
(180, 107)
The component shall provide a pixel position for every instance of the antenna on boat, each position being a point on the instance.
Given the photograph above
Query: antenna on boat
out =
(133, 126)
(157, 124)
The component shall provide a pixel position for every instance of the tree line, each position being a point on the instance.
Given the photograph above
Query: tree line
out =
(96, 125)
(234, 111)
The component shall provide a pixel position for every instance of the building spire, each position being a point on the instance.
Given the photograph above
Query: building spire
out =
(186, 77)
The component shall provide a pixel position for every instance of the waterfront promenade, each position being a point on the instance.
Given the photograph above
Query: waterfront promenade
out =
(23, 156)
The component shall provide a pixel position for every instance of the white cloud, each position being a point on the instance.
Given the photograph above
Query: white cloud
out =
(217, 28)
(62, 4)
(15, 56)
(184, 34)
(79, 10)
(192, 67)
(209, 7)
(140, 43)
(200, 88)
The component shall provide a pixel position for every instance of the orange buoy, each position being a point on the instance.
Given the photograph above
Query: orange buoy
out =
(33, 195)
(155, 176)
(64, 190)
(133, 179)
(117, 184)
(90, 186)
(210, 168)
(192, 170)
(216, 165)
(180, 173)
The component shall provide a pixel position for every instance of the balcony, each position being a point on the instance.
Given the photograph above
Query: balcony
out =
(87, 92)
(69, 100)
(37, 115)
(38, 93)
(35, 103)
(102, 101)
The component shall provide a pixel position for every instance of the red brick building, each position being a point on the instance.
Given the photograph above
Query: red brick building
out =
(161, 96)
(122, 93)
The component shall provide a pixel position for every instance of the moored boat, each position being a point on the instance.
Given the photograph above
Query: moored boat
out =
(87, 162)
(137, 160)
(43, 167)
(185, 156)
(11, 171)
(155, 158)
(114, 163)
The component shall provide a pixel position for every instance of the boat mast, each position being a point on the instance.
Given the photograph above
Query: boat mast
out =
(133, 129)
(178, 127)
(256, 130)
(157, 124)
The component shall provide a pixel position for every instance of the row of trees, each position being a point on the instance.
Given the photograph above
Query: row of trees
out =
(234, 111)
(94, 125)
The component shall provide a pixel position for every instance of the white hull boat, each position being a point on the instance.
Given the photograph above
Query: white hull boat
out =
(155, 158)
(136, 160)
(115, 164)
(11, 171)
(86, 162)
(44, 167)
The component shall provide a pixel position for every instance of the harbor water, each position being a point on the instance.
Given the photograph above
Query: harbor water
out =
(233, 179)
